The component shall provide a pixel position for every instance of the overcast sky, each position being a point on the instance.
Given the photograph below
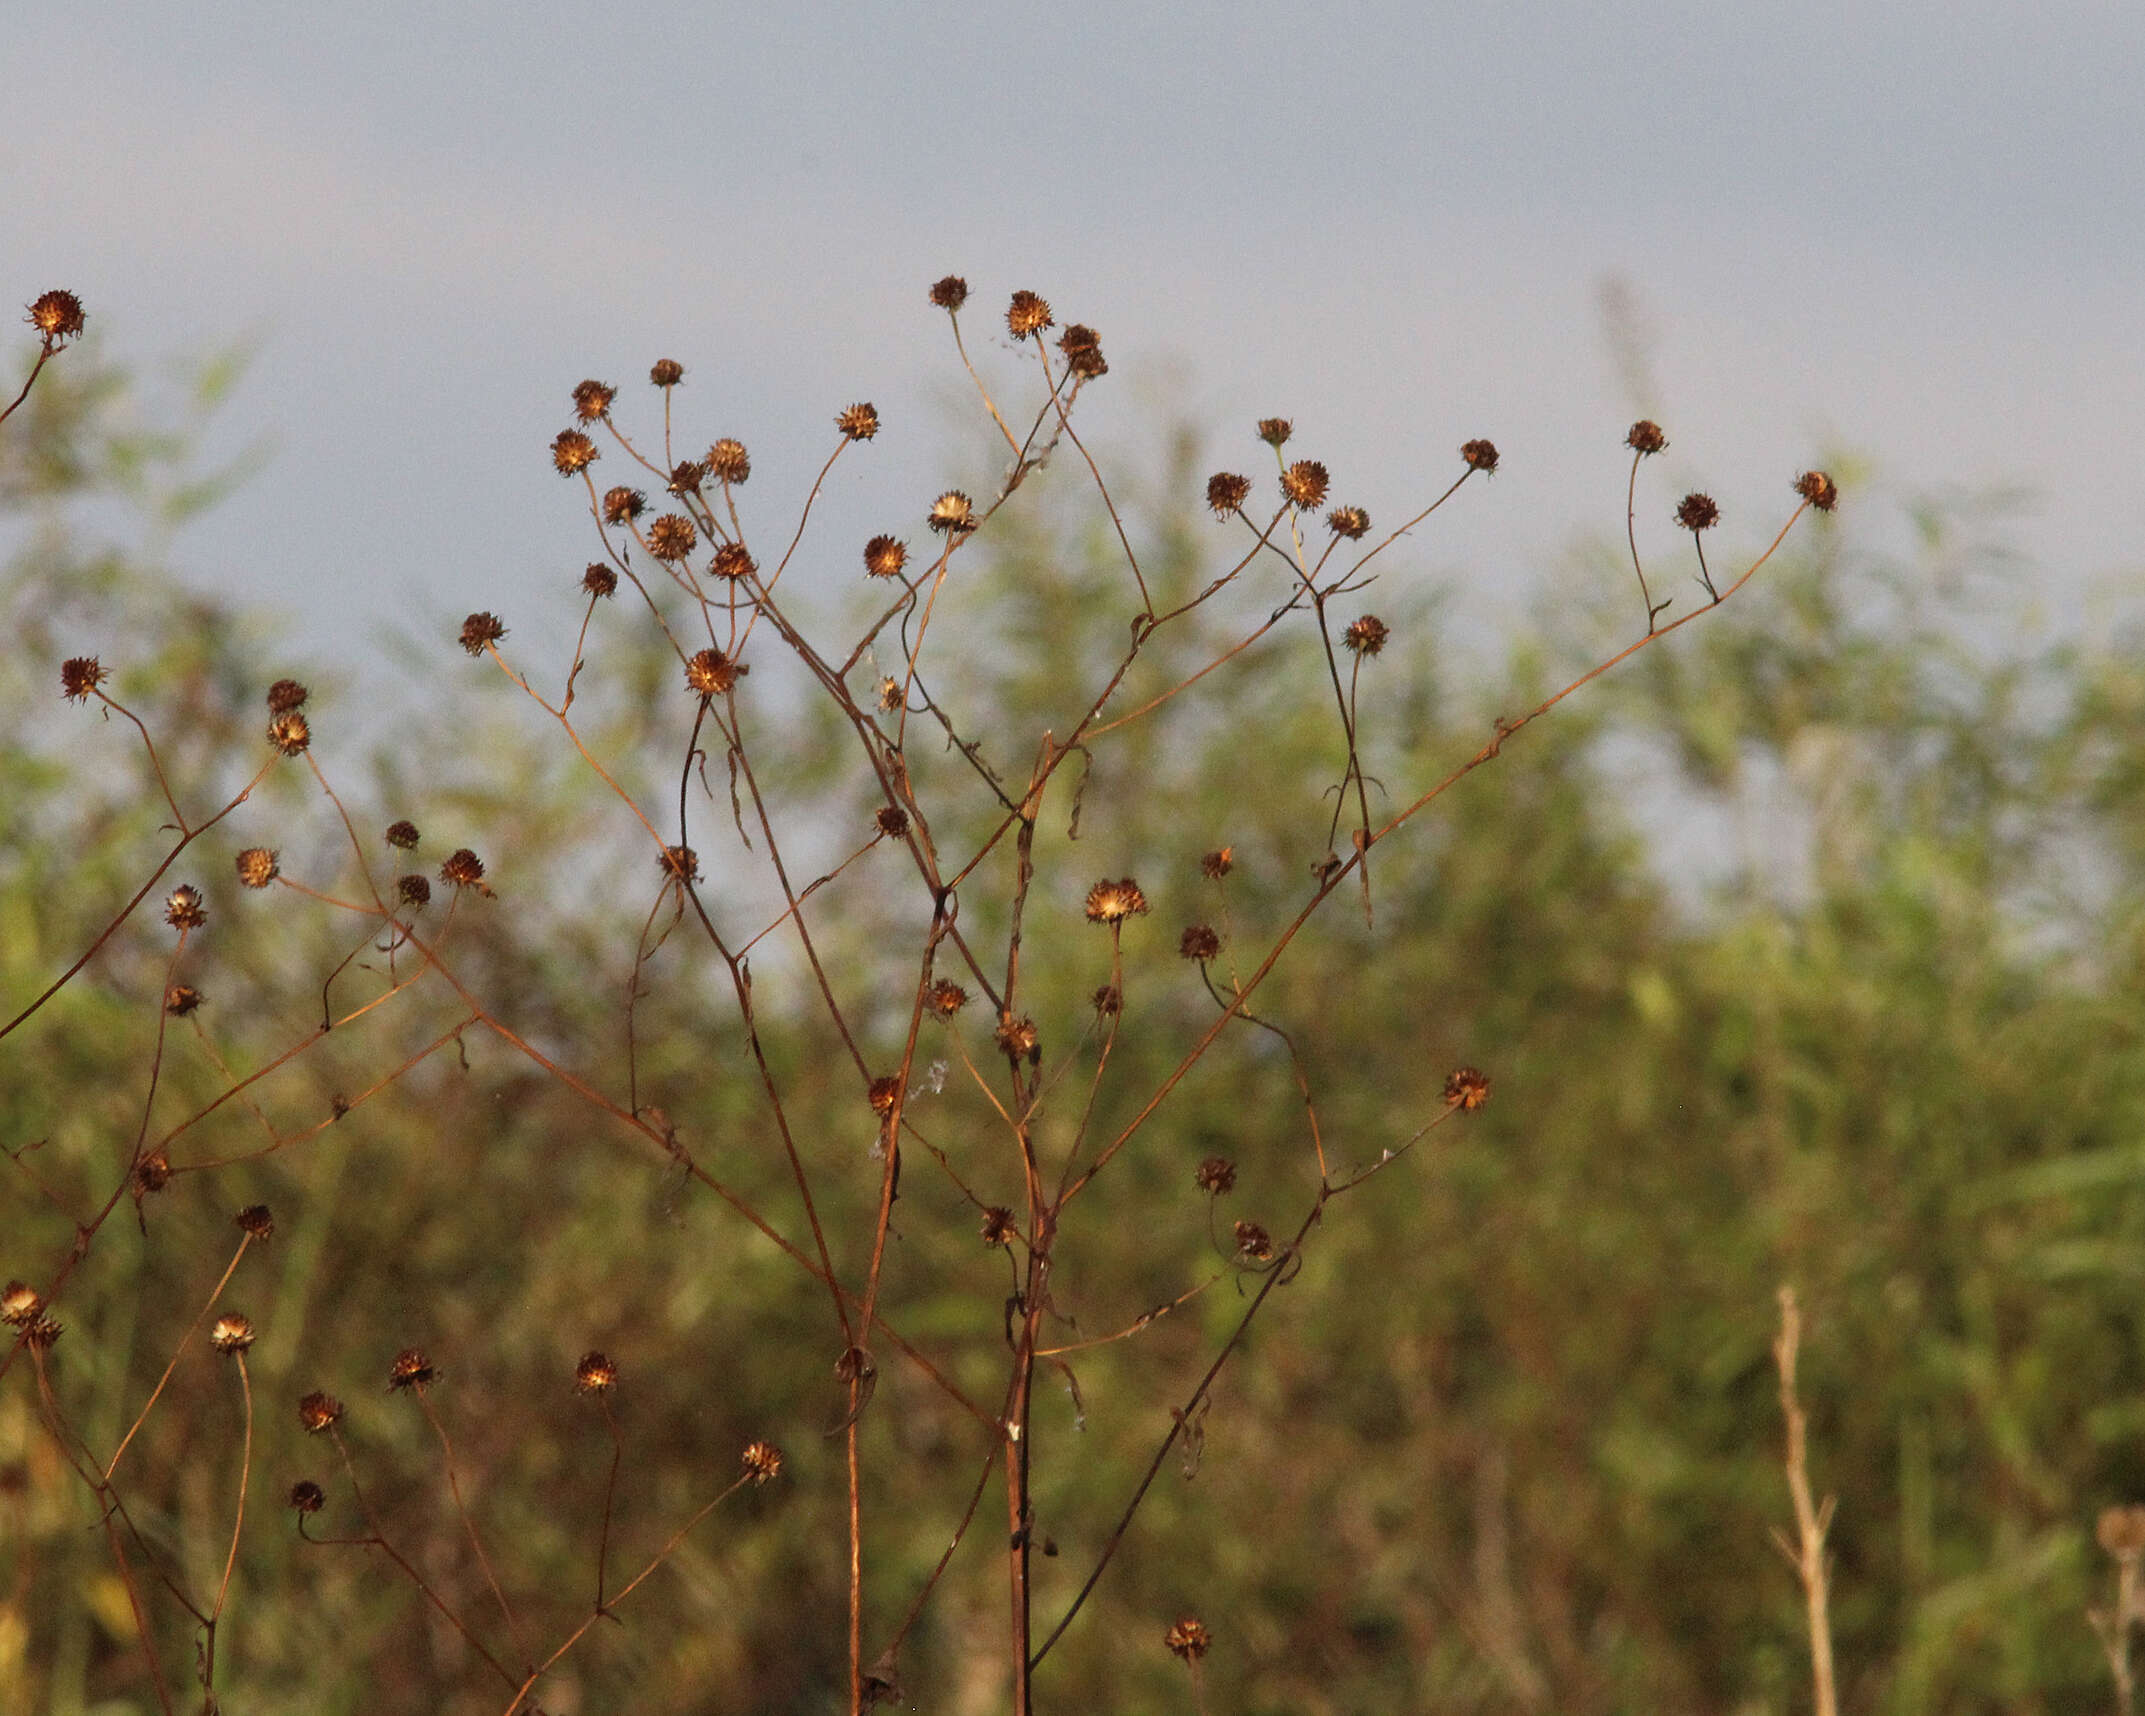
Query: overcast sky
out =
(1910, 232)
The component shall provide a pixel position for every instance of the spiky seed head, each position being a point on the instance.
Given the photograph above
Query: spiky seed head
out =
(945, 998)
(231, 1334)
(892, 821)
(152, 1173)
(762, 1461)
(860, 422)
(1305, 483)
(950, 293)
(255, 1222)
(1028, 313)
(595, 1374)
(286, 694)
(622, 505)
(667, 372)
(592, 400)
(181, 999)
(257, 867)
(1111, 902)
(733, 561)
(681, 863)
(1480, 455)
(1696, 512)
(1218, 863)
(58, 317)
(463, 868)
(290, 732)
(1216, 1176)
(686, 477)
(1645, 436)
(307, 1496)
(729, 462)
(1108, 1001)
(1274, 431)
(1200, 942)
(1253, 1241)
(1188, 1638)
(19, 1304)
(884, 557)
(1082, 347)
(1018, 1037)
(79, 676)
(998, 1226)
(953, 513)
(480, 631)
(883, 1094)
(402, 835)
(42, 1334)
(183, 908)
(599, 579)
(1366, 636)
(1351, 522)
(412, 1369)
(890, 694)
(416, 892)
(1467, 1089)
(711, 673)
(672, 537)
(1818, 489)
(1227, 492)
(319, 1413)
(572, 452)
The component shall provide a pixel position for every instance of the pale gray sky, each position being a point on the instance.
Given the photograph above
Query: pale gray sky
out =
(1907, 230)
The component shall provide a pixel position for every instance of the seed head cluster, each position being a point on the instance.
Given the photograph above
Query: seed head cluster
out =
(733, 561)
(286, 695)
(599, 580)
(711, 673)
(1645, 436)
(319, 1413)
(884, 557)
(1818, 489)
(572, 452)
(463, 869)
(257, 867)
(762, 1461)
(672, 537)
(1366, 636)
(1082, 347)
(480, 631)
(1467, 1089)
(666, 372)
(1111, 902)
(945, 998)
(1696, 512)
(412, 1369)
(728, 462)
(950, 293)
(183, 909)
(1275, 431)
(1480, 456)
(1227, 492)
(1200, 942)
(290, 732)
(403, 836)
(58, 317)
(1305, 483)
(622, 505)
(595, 1374)
(592, 401)
(1216, 1176)
(80, 676)
(859, 423)
(953, 514)
(1351, 522)
(415, 891)
(231, 1334)
(1028, 313)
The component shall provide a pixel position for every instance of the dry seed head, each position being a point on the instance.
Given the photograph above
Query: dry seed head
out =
(1108, 1001)
(892, 820)
(729, 461)
(1018, 1037)
(950, 293)
(2120, 1531)
(1253, 1241)
(763, 1461)
(1645, 436)
(1188, 1639)
(1818, 489)
(595, 1374)
(231, 1334)
(860, 422)
(43, 1333)
(681, 863)
(884, 557)
(733, 561)
(19, 1304)
(257, 867)
(883, 1094)
(307, 1496)
(416, 892)
(1112, 902)
(1467, 1089)
(1480, 456)
(1218, 863)
(1275, 430)
(403, 835)
(1028, 313)
(1697, 512)
(152, 1173)
(58, 317)
(481, 631)
(1216, 1176)
(183, 908)
(711, 673)
(1199, 942)
(1366, 636)
(290, 732)
(953, 513)
(1226, 492)
(79, 676)
(286, 694)
(686, 477)
(1305, 483)
(667, 372)
(890, 697)
(592, 399)
(256, 1223)
(463, 868)
(945, 998)
(1082, 347)
(672, 537)
(599, 580)
(319, 1412)
(998, 1226)
(572, 452)
(622, 505)
(411, 1369)
(181, 999)
(1349, 521)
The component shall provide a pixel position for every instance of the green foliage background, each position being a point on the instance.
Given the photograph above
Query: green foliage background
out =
(1508, 1442)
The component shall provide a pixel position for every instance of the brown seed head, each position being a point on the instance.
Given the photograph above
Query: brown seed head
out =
(711, 673)
(592, 400)
(599, 579)
(1253, 1241)
(1111, 902)
(411, 1369)
(1218, 863)
(231, 1334)
(953, 513)
(1082, 347)
(1305, 483)
(319, 1412)
(307, 1496)
(181, 999)
(2120, 1531)
(480, 631)
(1818, 489)
(1467, 1089)
(667, 372)
(733, 561)
(1028, 313)
(1275, 431)
(19, 1304)
(286, 694)
(890, 694)
(950, 293)
(1018, 1037)
(1645, 436)
(892, 820)
(998, 1226)
(1697, 512)
(290, 732)
(1108, 1001)
(883, 1094)
(463, 868)
(58, 317)
(1226, 492)
(681, 863)
(183, 908)
(1216, 1176)
(729, 462)
(403, 835)
(152, 1173)
(255, 1222)
(257, 867)
(595, 1374)
(572, 452)
(79, 676)
(621, 505)
(884, 557)
(1480, 455)
(1366, 636)
(43, 1333)
(416, 892)
(860, 422)
(1349, 521)
(1199, 942)
(945, 998)
(686, 477)
(1189, 1639)
(763, 1461)
(672, 537)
